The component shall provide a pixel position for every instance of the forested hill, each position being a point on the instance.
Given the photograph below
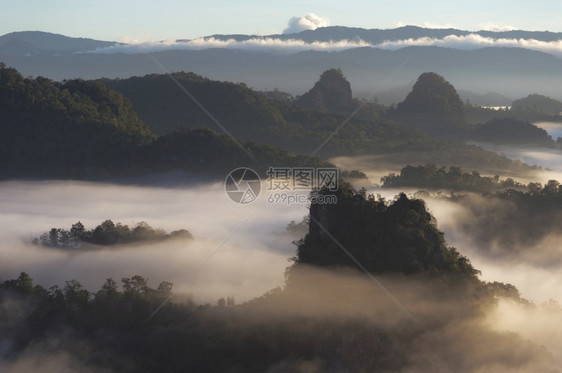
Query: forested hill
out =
(165, 108)
(398, 237)
(57, 127)
(83, 129)
(299, 125)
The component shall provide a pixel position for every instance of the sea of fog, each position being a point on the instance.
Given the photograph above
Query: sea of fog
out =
(244, 248)
(252, 259)
(250, 262)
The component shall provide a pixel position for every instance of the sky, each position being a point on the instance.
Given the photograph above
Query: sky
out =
(141, 20)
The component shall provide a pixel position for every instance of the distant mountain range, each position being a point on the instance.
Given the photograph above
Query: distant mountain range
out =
(33, 43)
(377, 36)
(483, 75)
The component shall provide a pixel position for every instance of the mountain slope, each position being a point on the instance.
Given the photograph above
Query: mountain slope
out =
(30, 43)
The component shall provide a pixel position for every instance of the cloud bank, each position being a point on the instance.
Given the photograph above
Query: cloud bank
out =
(267, 44)
(475, 41)
(308, 22)
(289, 46)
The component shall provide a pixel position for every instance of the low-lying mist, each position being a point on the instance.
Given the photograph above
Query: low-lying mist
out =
(527, 254)
(250, 263)
(430, 326)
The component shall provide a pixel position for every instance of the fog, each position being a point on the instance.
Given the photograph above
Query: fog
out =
(485, 230)
(269, 44)
(444, 331)
(475, 41)
(250, 263)
(311, 21)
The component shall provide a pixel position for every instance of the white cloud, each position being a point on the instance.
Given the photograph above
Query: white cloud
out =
(475, 41)
(494, 27)
(426, 25)
(275, 45)
(269, 44)
(308, 22)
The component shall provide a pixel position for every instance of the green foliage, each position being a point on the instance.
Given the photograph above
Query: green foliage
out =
(511, 131)
(331, 94)
(63, 128)
(397, 237)
(105, 234)
(537, 104)
(433, 106)
(429, 176)
(165, 108)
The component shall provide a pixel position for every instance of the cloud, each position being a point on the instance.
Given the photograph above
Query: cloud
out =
(250, 263)
(475, 41)
(263, 44)
(289, 46)
(497, 28)
(308, 22)
(427, 25)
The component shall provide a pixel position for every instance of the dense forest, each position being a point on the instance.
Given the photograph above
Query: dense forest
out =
(105, 234)
(454, 179)
(301, 124)
(517, 221)
(533, 108)
(43, 122)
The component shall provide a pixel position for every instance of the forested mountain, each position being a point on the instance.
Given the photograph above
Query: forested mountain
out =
(400, 237)
(331, 94)
(84, 129)
(433, 106)
(59, 128)
(301, 125)
(510, 131)
(537, 104)
(453, 179)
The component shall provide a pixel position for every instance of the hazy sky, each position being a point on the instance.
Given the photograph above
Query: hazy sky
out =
(128, 20)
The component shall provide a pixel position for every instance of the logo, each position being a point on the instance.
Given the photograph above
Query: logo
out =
(242, 185)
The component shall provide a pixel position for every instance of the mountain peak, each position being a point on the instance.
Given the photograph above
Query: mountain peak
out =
(433, 104)
(331, 94)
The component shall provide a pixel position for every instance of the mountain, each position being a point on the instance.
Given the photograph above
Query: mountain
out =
(164, 107)
(538, 104)
(54, 128)
(432, 106)
(509, 131)
(377, 36)
(32, 43)
(83, 129)
(400, 237)
(511, 72)
(250, 116)
(331, 94)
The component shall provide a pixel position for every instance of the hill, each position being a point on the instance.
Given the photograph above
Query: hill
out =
(509, 131)
(397, 237)
(161, 105)
(538, 104)
(83, 129)
(251, 116)
(434, 106)
(32, 43)
(331, 94)
(61, 128)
